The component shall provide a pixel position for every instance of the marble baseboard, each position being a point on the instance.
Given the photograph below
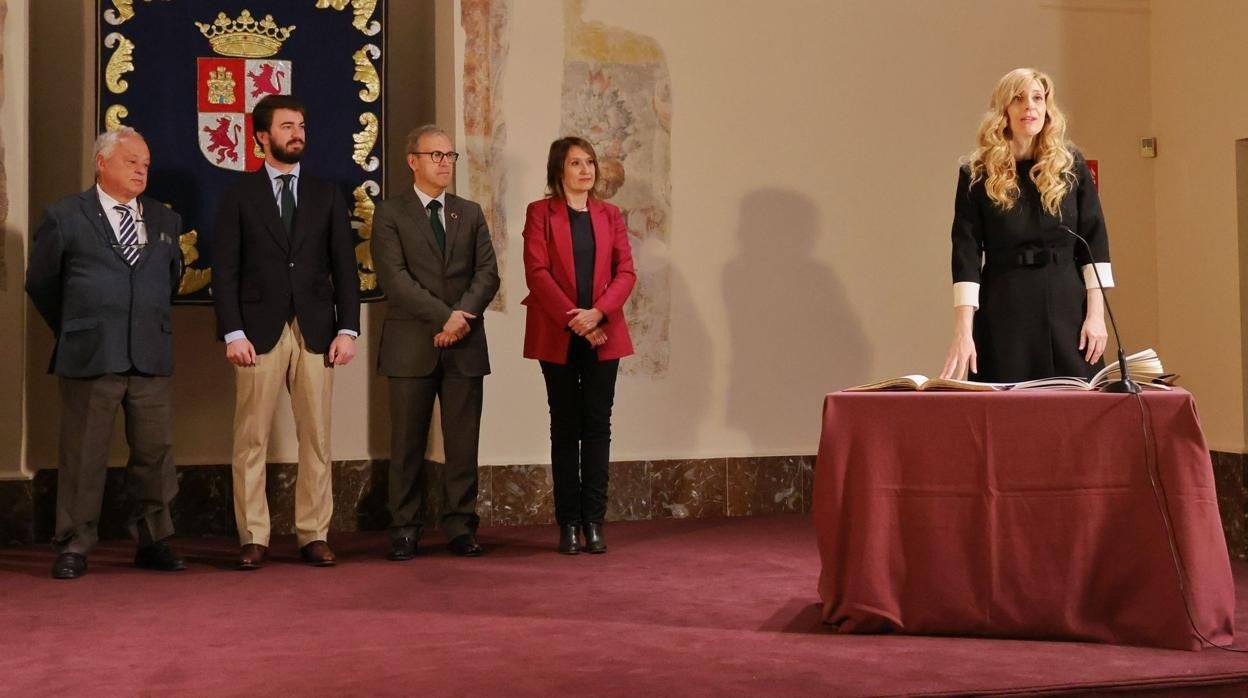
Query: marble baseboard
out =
(760, 486)
(509, 495)
(520, 495)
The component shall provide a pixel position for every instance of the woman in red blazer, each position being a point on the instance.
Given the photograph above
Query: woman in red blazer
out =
(579, 269)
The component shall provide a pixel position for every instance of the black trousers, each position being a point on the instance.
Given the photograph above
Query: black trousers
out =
(580, 393)
(88, 411)
(411, 411)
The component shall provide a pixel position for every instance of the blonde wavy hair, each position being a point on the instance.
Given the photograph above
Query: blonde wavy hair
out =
(993, 160)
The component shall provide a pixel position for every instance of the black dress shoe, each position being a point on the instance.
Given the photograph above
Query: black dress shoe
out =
(402, 548)
(69, 566)
(465, 545)
(158, 556)
(594, 542)
(568, 544)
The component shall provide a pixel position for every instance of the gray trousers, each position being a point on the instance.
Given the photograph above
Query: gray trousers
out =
(88, 412)
(411, 411)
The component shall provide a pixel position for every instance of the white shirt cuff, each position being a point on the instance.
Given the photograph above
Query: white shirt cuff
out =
(1089, 276)
(966, 293)
(236, 334)
(349, 333)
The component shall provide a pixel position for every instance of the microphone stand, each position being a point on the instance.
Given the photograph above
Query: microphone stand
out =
(1124, 384)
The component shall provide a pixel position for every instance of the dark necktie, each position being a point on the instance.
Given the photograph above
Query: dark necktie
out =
(127, 235)
(435, 222)
(288, 201)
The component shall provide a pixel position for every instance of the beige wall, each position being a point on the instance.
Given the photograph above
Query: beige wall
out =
(15, 139)
(61, 129)
(814, 150)
(1199, 59)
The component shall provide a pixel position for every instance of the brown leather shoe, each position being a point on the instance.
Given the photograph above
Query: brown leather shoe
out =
(252, 556)
(318, 553)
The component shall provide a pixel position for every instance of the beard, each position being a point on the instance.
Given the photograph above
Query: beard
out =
(285, 155)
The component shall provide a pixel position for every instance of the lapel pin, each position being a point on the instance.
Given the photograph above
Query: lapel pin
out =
(454, 216)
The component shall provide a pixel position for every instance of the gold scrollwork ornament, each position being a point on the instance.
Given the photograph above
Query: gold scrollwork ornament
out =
(120, 63)
(366, 72)
(364, 142)
(124, 10)
(193, 280)
(362, 11)
(113, 116)
(362, 220)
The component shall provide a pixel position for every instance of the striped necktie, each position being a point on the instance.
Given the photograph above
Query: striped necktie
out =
(127, 235)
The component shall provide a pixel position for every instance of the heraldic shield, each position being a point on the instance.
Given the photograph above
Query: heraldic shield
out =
(228, 90)
(187, 74)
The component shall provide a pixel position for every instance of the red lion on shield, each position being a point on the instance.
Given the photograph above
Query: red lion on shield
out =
(267, 81)
(219, 142)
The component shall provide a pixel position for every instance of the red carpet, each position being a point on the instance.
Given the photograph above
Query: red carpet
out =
(701, 607)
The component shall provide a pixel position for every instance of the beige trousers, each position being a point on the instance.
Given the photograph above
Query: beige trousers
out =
(311, 385)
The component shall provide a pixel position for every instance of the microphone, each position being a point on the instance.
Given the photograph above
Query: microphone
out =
(1124, 384)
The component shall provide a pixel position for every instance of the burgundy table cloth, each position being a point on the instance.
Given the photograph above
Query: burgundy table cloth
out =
(1022, 515)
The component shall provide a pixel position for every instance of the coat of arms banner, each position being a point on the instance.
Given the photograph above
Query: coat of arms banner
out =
(187, 73)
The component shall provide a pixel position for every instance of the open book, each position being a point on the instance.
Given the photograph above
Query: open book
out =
(915, 381)
(1143, 367)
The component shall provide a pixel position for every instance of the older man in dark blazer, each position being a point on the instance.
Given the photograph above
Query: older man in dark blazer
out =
(288, 307)
(103, 271)
(436, 264)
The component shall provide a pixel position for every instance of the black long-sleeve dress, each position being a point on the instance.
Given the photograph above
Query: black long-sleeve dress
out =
(1032, 297)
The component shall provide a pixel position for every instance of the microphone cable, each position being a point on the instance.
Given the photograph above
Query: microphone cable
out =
(1163, 506)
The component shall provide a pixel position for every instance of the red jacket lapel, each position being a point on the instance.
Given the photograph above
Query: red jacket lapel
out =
(561, 240)
(604, 243)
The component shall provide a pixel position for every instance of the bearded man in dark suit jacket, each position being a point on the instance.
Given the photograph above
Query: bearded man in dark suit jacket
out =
(436, 264)
(288, 307)
(103, 271)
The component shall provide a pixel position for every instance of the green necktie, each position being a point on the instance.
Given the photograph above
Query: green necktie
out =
(435, 222)
(288, 201)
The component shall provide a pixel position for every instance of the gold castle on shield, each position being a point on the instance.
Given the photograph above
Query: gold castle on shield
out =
(221, 86)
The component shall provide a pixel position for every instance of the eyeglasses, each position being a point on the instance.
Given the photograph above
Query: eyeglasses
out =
(438, 155)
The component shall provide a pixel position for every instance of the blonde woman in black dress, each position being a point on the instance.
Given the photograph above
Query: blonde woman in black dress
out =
(1027, 303)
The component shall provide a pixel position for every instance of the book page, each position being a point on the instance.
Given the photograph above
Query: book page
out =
(955, 384)
(910, 382)
(1056, 383)
(918, 381)
(1143, 366)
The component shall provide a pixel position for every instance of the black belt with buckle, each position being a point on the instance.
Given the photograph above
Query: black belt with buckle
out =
(1031, 256)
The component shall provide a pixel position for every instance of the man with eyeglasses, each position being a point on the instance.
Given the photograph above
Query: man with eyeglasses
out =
(103, 271)
(435, 262)
(288, 307)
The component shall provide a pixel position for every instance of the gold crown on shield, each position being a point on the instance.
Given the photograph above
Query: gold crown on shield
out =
(245, 37)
